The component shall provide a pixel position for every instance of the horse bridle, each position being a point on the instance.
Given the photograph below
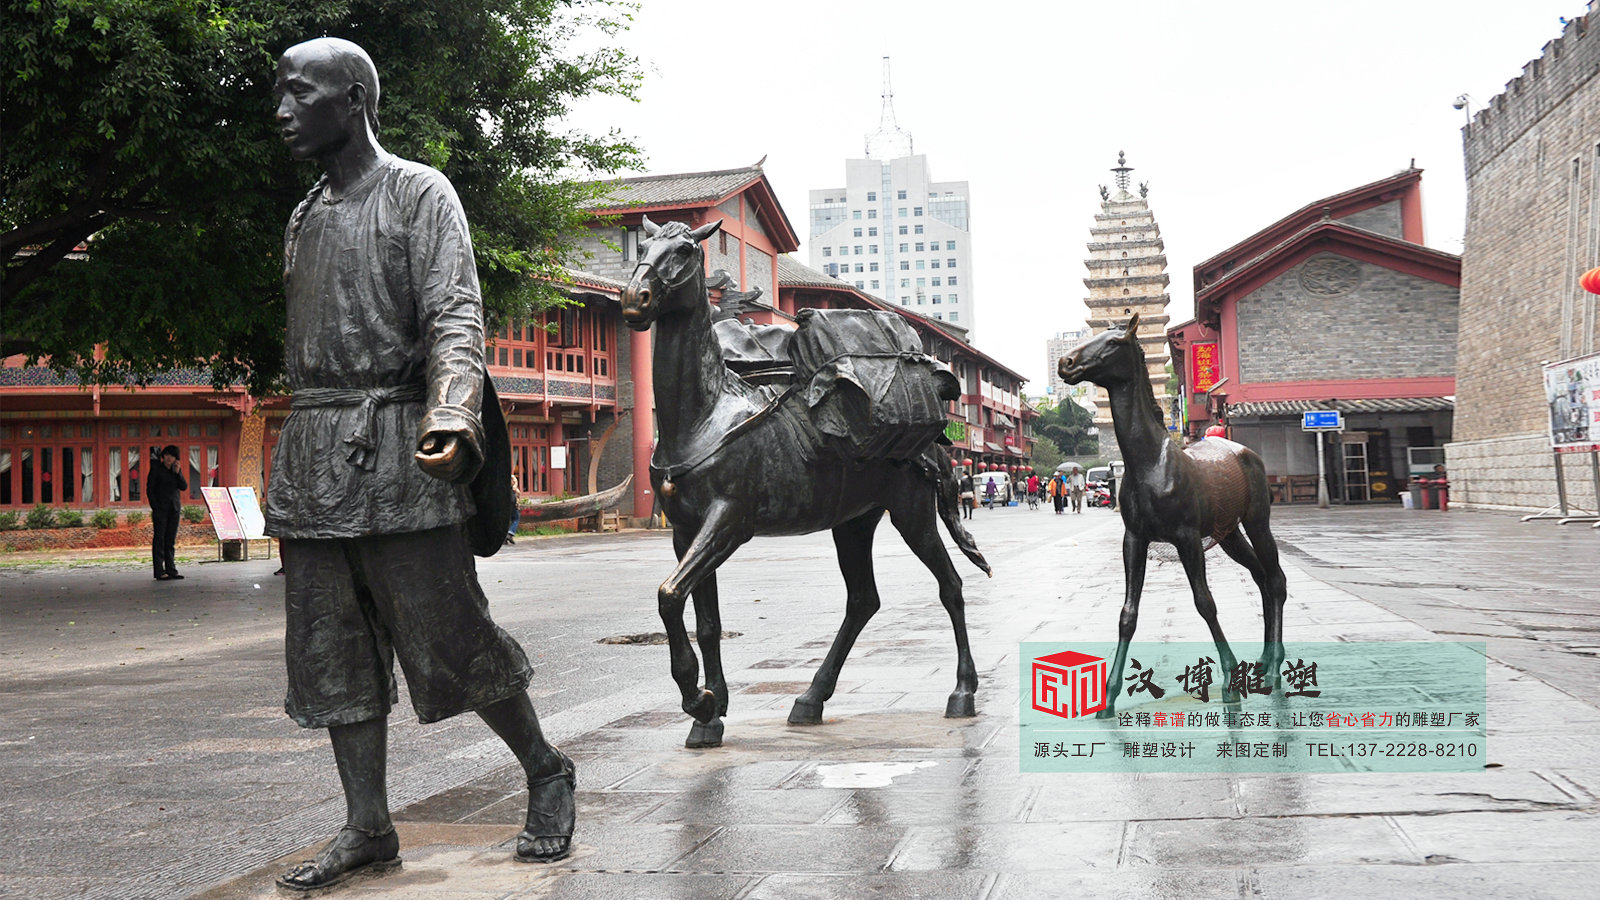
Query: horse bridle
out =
(671, 286)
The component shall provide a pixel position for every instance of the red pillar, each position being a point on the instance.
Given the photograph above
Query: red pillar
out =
(644, 420)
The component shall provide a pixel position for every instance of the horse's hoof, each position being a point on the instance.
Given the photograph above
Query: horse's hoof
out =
(805, 712)
(961, 705)
(704, 709)
(704, 734)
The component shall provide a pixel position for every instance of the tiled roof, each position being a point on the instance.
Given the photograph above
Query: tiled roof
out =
(793, 272)
(1381, 405)
(659, 190)
(580, 278)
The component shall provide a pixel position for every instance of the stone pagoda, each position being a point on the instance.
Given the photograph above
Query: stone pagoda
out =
(1128, 274)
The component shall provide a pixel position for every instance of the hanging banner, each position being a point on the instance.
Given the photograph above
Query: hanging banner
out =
(1572, 392)
(223, 520)
(1204, 368)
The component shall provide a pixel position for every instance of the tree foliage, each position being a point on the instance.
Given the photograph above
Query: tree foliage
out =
(1067, 426)
(144, 128)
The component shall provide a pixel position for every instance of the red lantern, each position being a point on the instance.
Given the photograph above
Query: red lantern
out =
(1590, 280)
(1011, 469)
(967, 463)
(983, 467)
(954, 463)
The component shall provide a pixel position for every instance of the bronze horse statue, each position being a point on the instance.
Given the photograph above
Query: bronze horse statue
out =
(1215, 490)
(733, 461)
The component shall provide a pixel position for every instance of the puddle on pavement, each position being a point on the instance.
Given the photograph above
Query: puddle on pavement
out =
(867, 774)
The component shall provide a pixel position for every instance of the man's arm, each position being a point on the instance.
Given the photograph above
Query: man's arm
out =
(450, 313)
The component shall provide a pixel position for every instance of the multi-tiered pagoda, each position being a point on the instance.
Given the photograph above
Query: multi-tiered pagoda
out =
(1128, 274)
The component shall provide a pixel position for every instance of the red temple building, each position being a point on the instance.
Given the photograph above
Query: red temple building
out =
(572, 385)
(1337, 306)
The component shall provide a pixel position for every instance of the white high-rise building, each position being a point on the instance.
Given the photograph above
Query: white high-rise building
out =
(894, 232)
(1055, 348)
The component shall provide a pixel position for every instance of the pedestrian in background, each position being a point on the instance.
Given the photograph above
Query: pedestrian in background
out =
(164, 489)
(1076, 483)
(1058, 492)
(516, 511)
(967, 495)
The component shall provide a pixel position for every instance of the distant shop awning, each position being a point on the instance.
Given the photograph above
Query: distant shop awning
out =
(993, 447)
(1266, 408)
(1004, 421)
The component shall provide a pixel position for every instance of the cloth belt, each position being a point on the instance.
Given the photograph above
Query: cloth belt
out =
(363, 441)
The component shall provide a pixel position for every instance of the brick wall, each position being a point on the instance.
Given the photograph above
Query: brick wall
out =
(605, 260)
(1531, 229)
(728, 262)
(1391, 325)
(759, 267)
(1384, 219)
(1516, 473)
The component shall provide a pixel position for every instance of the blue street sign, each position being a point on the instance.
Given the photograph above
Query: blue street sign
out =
(1321, 419)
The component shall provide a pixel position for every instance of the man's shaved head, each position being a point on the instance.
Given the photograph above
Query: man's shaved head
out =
(333, 55)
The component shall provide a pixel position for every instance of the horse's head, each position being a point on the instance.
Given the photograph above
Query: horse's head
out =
(1110, 357)
(670, 258)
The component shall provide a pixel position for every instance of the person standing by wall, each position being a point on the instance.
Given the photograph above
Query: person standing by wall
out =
(164, 489)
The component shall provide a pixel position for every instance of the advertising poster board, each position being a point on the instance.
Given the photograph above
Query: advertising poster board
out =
(223, 520)
(248, 509)
(1572, 393)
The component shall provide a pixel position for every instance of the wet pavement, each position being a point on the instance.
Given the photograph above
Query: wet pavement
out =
(144, 753)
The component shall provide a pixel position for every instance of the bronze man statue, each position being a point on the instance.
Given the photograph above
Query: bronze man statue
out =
(370, 478)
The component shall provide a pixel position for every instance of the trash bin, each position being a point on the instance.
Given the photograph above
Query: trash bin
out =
(1413, 495)
(1441, 486)
(1430, 497)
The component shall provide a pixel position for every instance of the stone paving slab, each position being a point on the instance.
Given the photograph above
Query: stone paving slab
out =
(888, 799)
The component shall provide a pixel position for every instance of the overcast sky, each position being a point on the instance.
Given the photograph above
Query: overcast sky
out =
(1236, 113)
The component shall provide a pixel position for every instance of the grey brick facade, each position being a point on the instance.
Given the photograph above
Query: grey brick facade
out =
(1533, 226)
(1390, 325)
(603, 260)
(1384, 219)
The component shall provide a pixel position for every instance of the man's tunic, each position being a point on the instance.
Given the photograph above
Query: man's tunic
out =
(383, 297)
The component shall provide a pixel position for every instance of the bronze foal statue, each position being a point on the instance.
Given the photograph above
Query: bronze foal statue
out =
(1214, 490)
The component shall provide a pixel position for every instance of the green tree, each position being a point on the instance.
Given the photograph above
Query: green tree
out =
(1046, 455)
(143, 128)
(1067, 425)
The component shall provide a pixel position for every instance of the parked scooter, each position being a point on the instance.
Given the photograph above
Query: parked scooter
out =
(1099, 497)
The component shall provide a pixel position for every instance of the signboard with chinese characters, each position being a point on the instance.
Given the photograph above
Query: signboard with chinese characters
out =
(1572, 393)
(1382, 706)
(223, 519)
(1205, 367)
(1322, 420)
(956, 432)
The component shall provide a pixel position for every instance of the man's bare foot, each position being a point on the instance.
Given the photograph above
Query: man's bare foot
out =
(351, 850)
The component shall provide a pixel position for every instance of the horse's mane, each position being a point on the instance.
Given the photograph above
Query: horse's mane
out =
(1147, 396)
(673, 229)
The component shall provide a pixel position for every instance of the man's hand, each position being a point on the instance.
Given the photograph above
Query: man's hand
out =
(442, 455)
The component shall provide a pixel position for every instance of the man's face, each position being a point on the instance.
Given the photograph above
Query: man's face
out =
(169, 459)
(314, 104)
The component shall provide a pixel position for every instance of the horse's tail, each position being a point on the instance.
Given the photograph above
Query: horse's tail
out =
(950, 511)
